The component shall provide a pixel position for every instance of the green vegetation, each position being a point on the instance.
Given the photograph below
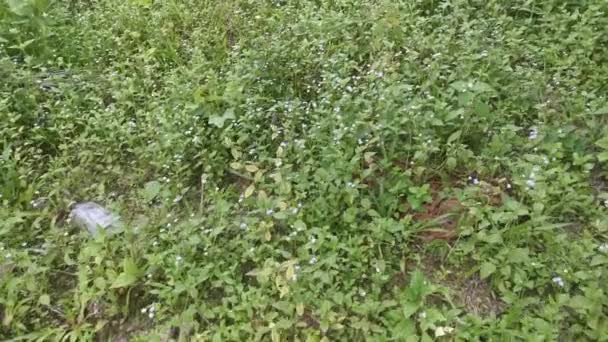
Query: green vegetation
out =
(305, 170)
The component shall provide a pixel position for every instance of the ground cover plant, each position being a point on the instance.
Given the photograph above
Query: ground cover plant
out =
(305, 170)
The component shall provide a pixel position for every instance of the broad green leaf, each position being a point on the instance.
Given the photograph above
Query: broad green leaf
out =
(129, 275)
(130, 267)
(219, 120)
(518, 255)
(151, 190)
(487, 268)
(454, 136)
(123, 280)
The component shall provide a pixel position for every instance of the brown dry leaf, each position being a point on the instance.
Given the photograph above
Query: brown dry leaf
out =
(445, 214)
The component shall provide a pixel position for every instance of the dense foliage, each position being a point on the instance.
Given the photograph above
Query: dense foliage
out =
(305, 170)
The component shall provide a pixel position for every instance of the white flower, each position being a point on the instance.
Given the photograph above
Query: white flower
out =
(533, 133)
(531, 183)
(603, 248)
(558, 281)
(243, 225)
(312, 260)
(178, 259)
(269, 212)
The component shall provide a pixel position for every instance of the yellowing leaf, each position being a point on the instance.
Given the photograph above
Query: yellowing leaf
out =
(275, 335)
(44, 299)
(249, 191)
(251, 168)
(290, 272)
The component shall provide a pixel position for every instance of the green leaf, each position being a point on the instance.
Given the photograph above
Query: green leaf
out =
(601, 111)
(151, 190)
(482, 109)
(487, 268)
(409, 309)
(602, 157)
(129, 275)
(518, 255)
(130, 267)
(19, 7)
(454, 136)
(123, 280)
(219, 120)
(603, 143)
(44, 299)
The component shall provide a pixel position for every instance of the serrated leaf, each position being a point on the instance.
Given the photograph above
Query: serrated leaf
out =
(487, 268)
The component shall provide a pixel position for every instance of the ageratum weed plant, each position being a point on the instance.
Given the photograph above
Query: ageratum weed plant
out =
(304, 170)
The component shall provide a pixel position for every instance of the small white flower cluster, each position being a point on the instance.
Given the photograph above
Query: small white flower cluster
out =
(531, 181)
(533, 134)
(313, 260)
(291, 235)
(296, 269)
(151, 310)
(558, 281)
(474, 180)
